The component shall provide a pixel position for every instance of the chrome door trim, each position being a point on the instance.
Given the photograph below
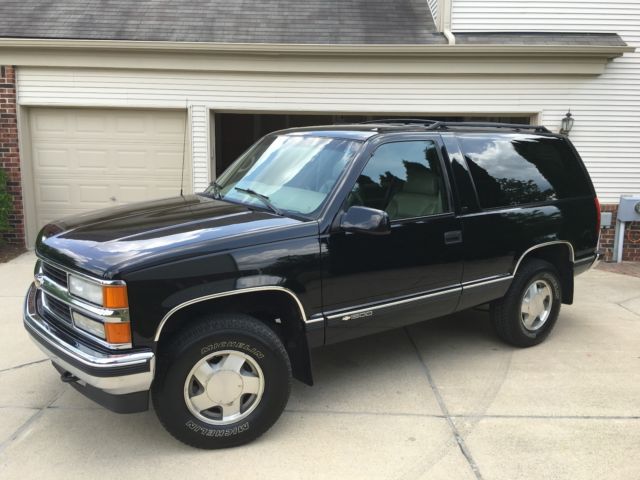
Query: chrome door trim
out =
(545, 244)
(486, 281)
(228, 294)
(350, 313)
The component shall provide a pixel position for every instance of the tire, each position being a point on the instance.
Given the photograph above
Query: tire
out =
(535, 283)
(232, 362)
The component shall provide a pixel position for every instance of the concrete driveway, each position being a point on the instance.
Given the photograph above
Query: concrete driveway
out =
(444, 399)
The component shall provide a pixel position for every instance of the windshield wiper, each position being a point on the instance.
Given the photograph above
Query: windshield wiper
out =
(263, 198)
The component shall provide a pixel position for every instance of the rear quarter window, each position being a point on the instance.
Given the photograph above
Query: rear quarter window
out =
(515, 169)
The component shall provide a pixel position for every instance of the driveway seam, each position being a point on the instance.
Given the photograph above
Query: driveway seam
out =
(452, 415)
(30, 421)
(628, 309)
(22, 365)
(445, 411)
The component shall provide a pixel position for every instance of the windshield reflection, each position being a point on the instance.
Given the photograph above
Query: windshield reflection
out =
(292, 173)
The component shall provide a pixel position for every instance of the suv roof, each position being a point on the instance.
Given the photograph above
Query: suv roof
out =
(364, 130)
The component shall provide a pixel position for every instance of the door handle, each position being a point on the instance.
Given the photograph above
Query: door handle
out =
(453, 237)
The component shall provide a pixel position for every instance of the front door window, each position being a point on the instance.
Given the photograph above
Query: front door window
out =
(404, 179)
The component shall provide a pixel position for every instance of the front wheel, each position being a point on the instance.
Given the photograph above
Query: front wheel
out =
(222, 382)
(528, 312)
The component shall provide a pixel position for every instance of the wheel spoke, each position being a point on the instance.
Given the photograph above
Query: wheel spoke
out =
(251, 384)
(536, 305)
(224, 387)
(203, 373)
(232, 408)
(202, 402)
(232, 362)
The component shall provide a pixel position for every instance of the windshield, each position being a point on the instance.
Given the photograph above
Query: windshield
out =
(286, 173)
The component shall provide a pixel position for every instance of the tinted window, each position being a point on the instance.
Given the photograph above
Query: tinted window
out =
(404, 179)
(517, 169)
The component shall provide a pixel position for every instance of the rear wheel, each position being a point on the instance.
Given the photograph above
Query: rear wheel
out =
(222, 382)
(528, 312)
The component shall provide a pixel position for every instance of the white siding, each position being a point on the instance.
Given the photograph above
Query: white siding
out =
(545, 15)
(607, 109)
(200, 146)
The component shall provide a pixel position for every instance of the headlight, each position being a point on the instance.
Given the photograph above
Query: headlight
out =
(86, 290)
(109, 296)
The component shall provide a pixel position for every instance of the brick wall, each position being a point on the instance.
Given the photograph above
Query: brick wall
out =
(9, 153)
(631, 250)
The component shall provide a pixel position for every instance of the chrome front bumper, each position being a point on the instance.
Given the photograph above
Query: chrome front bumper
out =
(114, 374)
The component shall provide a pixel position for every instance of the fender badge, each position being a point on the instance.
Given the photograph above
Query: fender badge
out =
(368, 313)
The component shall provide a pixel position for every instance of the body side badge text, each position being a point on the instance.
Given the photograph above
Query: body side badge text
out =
(355, 316)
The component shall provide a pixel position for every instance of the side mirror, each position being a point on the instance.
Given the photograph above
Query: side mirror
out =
(365, 220)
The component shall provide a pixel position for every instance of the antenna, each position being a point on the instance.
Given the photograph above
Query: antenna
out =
(184, 145)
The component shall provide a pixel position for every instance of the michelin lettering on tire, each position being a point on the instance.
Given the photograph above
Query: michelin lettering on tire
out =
(230, 345)
(211, 432)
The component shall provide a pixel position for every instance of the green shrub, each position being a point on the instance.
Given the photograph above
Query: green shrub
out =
(5, 202)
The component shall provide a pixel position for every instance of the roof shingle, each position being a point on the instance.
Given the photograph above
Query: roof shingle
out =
(223, 21)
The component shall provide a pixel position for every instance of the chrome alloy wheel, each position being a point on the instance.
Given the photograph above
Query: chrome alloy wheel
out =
(536, 305)
(224, 387)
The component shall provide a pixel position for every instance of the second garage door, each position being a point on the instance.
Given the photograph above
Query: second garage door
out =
(85, 159)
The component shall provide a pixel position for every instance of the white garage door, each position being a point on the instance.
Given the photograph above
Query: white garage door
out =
(85, 159)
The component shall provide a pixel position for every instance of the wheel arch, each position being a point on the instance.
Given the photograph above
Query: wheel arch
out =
(278, 307)
(560, 254)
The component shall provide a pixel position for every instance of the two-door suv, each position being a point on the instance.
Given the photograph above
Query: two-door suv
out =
(212, 302)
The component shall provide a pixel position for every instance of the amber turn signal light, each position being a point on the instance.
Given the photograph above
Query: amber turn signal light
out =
(115, 296)
(118, 332)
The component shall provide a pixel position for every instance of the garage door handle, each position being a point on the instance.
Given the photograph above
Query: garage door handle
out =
(453, 237)
(113, 199)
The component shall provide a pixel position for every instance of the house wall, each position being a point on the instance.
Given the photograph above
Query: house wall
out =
(607, 108)
(10, 154)
(606, 132)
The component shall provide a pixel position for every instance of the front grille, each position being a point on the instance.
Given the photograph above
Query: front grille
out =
(57, 275)
(61, 309)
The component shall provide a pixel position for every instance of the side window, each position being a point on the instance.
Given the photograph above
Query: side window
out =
(404, 179)
(519, 169)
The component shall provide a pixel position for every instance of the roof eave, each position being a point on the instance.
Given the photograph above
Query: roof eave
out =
(447, 59)
(607, 51)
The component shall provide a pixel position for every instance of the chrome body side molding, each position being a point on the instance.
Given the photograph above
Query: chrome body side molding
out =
(486, 281)
(545, 244)
(228, 294)
(370, 308)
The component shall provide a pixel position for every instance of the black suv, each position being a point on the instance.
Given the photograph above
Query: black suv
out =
(212, 302)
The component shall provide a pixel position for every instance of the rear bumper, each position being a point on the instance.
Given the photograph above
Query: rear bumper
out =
(118, 381)
(584, 264)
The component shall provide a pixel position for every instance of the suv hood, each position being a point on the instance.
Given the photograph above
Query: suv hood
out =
(106, 242)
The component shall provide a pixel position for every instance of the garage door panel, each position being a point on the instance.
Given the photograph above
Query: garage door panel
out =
(51, 158)
(96, 161)
(96, 196)
(53, 193)
(48, 123)
(90, 159)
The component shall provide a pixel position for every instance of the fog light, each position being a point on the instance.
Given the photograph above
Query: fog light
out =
(89, 325)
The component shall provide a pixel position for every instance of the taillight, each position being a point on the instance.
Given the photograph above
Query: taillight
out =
(597, 215)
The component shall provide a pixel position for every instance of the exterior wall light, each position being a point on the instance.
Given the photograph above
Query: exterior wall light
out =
(567, 124)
